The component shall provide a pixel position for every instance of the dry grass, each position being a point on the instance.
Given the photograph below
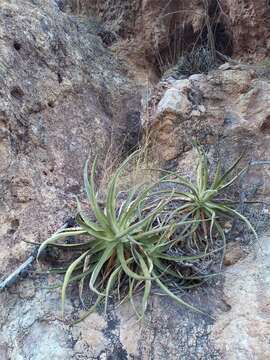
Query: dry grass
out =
(182, 44)
(136, 172)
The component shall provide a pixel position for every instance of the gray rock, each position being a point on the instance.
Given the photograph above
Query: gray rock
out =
(64, 99)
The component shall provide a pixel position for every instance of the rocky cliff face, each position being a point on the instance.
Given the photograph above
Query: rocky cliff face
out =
(64, 98)
(72, 75)
(153, 32)
(249, 26)
(226, 110)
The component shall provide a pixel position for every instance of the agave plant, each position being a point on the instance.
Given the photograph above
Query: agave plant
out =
(203, 199)
(125, 248)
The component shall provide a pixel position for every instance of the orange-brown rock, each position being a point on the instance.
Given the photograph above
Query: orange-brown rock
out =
(228, 110)
(154, 32)
(249, 25)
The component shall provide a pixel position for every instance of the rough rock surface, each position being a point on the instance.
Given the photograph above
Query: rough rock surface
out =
(226, 110)
(152, 32)
(32, 327)
(149, 34)
(248, 21)
(63, 98)
(244, 331)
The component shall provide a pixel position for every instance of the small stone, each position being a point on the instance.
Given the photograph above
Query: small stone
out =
(103, 356)
(80, 346)
(175, 102)
(227, 227)
(195, 113)
(201, 108)
(225, 66)
(181, 85)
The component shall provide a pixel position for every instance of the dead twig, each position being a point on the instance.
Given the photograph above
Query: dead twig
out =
(24, 268)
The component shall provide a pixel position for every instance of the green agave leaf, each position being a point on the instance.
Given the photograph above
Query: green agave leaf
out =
(130, 293)
(133, 208)
(86, 267)
(124, 264)
(58, 236)
(110, 284)
(82, 218)
(202, 169)
(177, 299)
(217, 178)
(89, 188)
(228, 172)
(90, 311)
(130, 239)
(59, 270)
(73, 246)
(241, 217)
(67, 230)
(105, 256)
(111, 203)
(222, 187)
(209, 194)
(141, 224)
(212, 213)
(111, 195)
(146, 236)
(97, 247)
(223, 237)
(200, 173)
(127, 203)
(101, 235)
(82, 275)
(147, 286)
(68, 274)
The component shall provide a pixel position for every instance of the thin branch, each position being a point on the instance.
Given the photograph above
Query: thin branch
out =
(24, 268)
